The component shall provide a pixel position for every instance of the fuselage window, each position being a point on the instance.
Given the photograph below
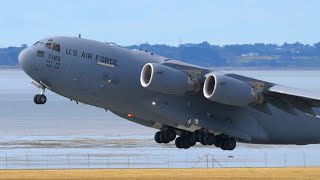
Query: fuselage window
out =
(49, 45)
(56, 47)
(39, 43)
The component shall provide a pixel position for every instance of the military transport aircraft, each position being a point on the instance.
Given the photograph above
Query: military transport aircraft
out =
(196, 104)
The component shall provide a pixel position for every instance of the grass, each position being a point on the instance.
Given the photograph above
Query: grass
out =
(164, 174)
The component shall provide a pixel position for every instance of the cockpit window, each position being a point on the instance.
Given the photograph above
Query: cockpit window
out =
(39, 43)
(56, 47)
(49, 45)
(52, 46)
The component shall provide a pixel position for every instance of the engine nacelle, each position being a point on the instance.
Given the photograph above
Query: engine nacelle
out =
(226, 90)
(167, 80)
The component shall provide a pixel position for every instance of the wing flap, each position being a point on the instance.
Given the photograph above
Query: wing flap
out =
(302, 100)
(294, 92)
(282, 104)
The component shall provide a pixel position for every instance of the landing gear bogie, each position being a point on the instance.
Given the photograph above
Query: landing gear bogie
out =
(184, 142)
(226, 143)
(229, 144)
(165, 135)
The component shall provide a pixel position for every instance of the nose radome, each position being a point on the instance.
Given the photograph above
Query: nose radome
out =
(25, 60)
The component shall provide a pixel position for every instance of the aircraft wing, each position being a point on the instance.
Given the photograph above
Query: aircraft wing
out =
(195, 71)
(306, 95)
(302, 100)
(282, 97)
(285, 98)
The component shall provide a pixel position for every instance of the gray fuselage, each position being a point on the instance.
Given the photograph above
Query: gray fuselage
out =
(108, 76)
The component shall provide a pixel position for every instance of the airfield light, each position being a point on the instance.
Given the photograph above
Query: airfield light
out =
(154, 103)
(129, 115)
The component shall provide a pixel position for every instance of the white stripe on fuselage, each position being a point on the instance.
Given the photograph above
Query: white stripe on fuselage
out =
(105, 64)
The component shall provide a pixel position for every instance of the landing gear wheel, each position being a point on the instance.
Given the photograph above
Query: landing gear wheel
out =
(201, 138)
(190, 140)
(196, 135)
(217, 141)
(209, 139)
(229, 144)
(35, 99)
(178, 142)
(222, 142)
(42, 99)
(157, 137)
(185, 143)
(170, 134)
(163, 138)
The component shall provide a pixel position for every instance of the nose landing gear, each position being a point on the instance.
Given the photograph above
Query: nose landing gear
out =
(40, 98)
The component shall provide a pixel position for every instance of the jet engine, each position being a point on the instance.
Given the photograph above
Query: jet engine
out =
(166, 80)
(226, 90)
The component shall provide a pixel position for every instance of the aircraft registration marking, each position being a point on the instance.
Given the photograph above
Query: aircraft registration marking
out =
(53, 61)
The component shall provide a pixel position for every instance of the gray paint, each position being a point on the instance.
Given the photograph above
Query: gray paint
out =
(118, 89)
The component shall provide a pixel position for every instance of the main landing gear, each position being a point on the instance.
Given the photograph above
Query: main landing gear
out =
(165, 136)
(225, 142)
(185, 141)
(189, 139)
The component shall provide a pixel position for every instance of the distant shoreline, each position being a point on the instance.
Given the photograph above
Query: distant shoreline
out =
(10, 68)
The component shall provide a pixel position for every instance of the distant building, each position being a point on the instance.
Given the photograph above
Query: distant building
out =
(250, 55)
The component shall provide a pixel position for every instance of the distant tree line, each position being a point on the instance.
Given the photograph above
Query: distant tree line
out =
(205, 54)
(9, 55)
(241, 55)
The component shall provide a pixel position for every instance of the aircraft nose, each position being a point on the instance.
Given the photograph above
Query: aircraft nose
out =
(25, 60)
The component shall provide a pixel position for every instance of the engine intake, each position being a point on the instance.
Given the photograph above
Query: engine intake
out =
(167, 80)
(226, 90)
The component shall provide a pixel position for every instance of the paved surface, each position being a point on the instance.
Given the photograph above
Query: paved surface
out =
(176, 174)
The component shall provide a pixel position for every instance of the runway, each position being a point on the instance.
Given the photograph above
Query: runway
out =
(163, 174)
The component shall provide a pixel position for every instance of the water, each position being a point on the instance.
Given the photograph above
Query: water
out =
(63, 134)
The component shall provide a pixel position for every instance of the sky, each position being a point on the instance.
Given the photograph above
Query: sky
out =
(171, 22)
